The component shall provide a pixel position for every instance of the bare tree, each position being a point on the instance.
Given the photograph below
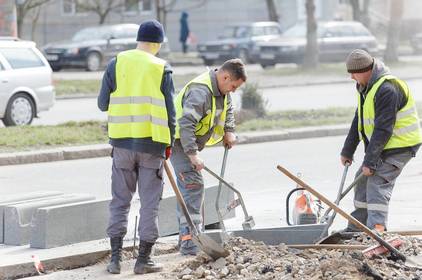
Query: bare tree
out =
(163, 7)
(272, 11)
(360, 13)
(393, 37)
(311, 52)
(23, 7)
(100, 7)
(34, 20)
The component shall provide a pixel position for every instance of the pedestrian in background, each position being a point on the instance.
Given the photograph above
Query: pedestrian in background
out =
(387, 122)
(137, 93)
(184, 31)
(204, 114)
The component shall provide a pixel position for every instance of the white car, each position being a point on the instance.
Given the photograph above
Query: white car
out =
(26, 82)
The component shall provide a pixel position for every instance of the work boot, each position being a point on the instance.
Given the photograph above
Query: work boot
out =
(188, 248)
(379, 229)
(116, 250)
(144, 264)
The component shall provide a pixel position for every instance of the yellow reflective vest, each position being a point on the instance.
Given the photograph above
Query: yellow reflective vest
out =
(206, 124)
(137, 107)
(406, 131)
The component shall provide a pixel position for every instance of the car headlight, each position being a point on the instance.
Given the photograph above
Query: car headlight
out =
(72, 51)
(202, 48)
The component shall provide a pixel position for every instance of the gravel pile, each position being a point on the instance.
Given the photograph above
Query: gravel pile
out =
(255, 260)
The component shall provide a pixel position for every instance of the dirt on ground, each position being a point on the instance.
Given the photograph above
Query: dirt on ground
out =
(255, 260)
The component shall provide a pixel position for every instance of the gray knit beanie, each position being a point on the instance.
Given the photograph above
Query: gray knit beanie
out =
(359, 61)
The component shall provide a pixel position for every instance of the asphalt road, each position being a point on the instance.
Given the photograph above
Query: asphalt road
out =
(252, 168)
(282, 98)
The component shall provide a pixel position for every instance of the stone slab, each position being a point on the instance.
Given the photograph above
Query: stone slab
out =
(18, 217)
(69, 223)
(19, 198)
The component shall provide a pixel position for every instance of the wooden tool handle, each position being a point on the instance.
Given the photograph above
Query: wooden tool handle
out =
(180, 199)
(341, 212)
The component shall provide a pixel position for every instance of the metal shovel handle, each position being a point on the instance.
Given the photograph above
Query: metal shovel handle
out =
(220, 184)
(350, 218)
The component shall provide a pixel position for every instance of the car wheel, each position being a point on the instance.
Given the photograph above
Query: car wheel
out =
(208, 62)
(266, 66)
(93, 61)
(20, 110)
(243, 55)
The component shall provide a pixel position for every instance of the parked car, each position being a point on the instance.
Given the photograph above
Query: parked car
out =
(91, 48)
(416, 42)
(238, 40)
(335, 41)
(26, 82)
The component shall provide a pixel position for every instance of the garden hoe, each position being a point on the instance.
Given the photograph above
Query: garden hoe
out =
(413, 261)
(204, 242)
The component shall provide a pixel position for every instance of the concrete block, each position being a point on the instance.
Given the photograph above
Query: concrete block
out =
(19, 198)
(167, 217)
(61, 225)
(18, 217)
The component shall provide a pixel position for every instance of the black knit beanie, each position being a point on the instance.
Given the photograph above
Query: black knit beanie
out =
(150, 31)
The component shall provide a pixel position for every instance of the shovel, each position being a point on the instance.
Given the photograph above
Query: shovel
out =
(408, 261)
(249, 222)
(204, 242)
(338, 236)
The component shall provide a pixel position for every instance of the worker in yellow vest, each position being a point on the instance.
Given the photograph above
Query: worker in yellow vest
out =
(205, 116)
(387, 122)
(137, 93)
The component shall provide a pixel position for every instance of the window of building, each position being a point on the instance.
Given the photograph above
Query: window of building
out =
(21, 58)
(71, 7)
(137, 6)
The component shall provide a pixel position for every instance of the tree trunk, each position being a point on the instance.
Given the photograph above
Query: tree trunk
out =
(34, 22)
(272, 11)
(102, 18)
(396, 13)
(311, 53)
(366, 20)
(355, 9)
(19, 19)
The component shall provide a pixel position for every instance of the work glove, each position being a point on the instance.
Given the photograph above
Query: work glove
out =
(168, 152)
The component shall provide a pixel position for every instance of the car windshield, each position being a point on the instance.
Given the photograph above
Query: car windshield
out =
(236, 32)
(92, 33)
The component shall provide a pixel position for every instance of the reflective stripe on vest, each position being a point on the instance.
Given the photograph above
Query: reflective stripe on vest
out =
(137, 108)
(205, 124)
(406, 131)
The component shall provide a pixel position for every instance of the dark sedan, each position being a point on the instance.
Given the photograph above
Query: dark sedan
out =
(238, 40)
(92, 47)
(335, 41)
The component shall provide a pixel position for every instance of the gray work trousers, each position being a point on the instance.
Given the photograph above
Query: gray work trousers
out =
(373, 193)
(131, 168)
(191, 184)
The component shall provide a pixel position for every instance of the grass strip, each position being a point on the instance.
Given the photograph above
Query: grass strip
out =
(23, 138)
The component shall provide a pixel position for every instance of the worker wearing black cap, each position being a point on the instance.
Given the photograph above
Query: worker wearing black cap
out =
(137, 93)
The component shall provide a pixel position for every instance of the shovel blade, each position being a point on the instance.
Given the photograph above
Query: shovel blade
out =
(209, 246)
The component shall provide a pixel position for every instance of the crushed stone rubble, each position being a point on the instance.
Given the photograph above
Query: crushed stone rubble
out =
(255, 260)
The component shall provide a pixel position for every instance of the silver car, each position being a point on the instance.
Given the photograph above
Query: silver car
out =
(26, 82)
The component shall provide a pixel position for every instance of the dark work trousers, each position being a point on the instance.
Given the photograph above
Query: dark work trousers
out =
(131, 168)
(191, 185)
(373, 193)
